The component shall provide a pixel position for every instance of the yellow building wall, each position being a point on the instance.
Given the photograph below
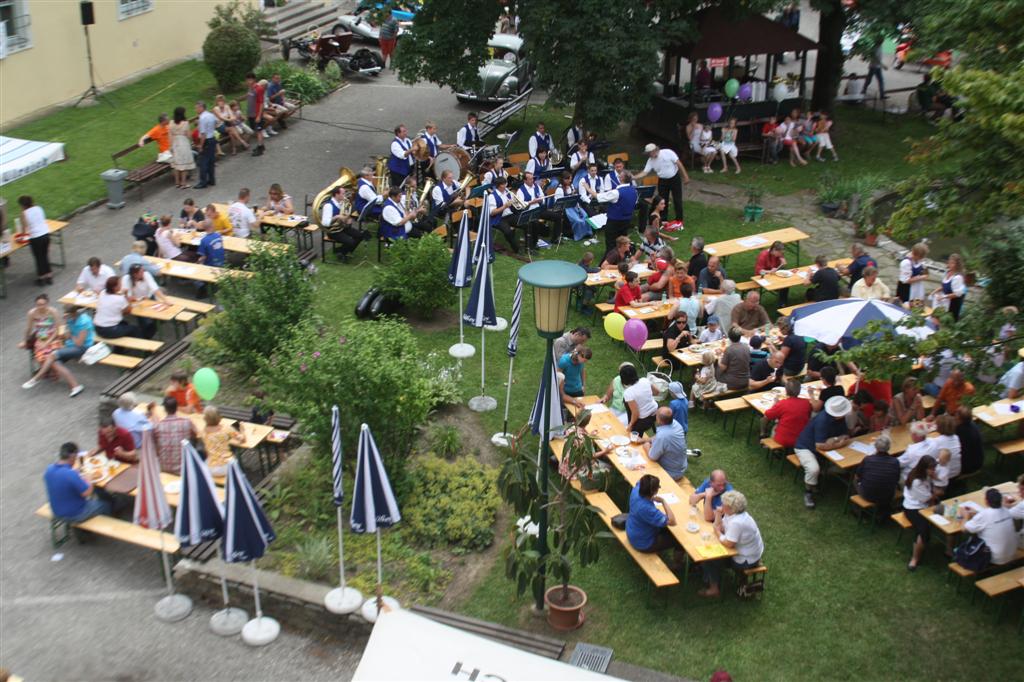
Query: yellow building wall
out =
(55, 69)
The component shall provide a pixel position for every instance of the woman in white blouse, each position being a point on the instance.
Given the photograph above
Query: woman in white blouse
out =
(737, 530)
(950, 295)
(168, 243)
(917, 495)
(111, 308)
(912, 274)
(33, 221)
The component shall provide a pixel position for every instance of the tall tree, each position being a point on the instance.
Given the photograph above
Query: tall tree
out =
(828, 67)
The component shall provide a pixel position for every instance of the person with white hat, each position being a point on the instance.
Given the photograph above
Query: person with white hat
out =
(679, 405)
(826, 431)
(666, 164)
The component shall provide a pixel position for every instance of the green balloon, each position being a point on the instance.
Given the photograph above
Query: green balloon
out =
(206, 382)
(732, 86)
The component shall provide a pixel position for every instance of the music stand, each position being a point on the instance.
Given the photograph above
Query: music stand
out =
(478, 191)
(565, 202)
(646, 192)
(525, 219)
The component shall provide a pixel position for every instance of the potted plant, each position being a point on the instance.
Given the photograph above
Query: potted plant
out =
(573, 526)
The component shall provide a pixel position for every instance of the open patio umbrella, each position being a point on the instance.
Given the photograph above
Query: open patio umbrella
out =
(373, 507)
(341, 599)
(480, 313)
(833, 321)
(153, 512)
(547, 408)
(502, 438)
(199, 519)
(247, 534)
(460, 274)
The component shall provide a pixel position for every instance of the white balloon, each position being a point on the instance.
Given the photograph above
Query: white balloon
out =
(780, 92)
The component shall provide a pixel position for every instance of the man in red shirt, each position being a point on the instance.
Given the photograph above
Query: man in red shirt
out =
(116, 442)
(254, 111)
(628, 293)
(768, 262)
(792, 414)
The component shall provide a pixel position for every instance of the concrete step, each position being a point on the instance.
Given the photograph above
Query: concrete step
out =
(317, 18)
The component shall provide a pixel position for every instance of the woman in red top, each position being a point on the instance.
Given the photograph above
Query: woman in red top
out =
(792, 414)
(770, 260)
(628, 294)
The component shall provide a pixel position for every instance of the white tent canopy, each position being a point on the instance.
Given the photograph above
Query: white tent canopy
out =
(18, 158)
(405, 646)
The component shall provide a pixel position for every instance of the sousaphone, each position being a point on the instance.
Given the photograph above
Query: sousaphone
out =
(346, 179)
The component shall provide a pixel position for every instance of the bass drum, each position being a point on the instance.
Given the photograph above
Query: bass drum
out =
(455, 160)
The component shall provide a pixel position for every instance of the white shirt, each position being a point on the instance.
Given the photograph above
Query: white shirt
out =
(643, 396)
(742, 530)
(576, 160)
(610, 181)
(506, 201)
(995, 526)
(366, 192)
(1013, 379)
(242, 218)
(329, 212)
(913, 453)
(393, 216)
(951, 443)
(96, 282)
(592, 181)
(956, 282)
(399, 146)
(165, 245)
(530, 193)
(438, 196)
(917, 288)
(460, 138)
(433, 139)
(532, 166)
(664, 164)
(34, 222)
(561, 192)
(109, 309)
(142, 289)
(610, 195)
(533, 143)
(918, 495)
(879, 290)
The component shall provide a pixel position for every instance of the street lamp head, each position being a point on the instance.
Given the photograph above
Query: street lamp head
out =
(552, 282)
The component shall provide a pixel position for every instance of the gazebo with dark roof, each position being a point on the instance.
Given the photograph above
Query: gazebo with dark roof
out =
(721, 36)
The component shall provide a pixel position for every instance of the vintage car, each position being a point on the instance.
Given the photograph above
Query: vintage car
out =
(504, 76)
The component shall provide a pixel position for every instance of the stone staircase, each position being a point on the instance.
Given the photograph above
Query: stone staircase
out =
(299, 16)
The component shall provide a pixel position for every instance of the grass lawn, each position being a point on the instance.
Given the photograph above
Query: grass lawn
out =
(864, 142)
(840, 603)
(91, 134)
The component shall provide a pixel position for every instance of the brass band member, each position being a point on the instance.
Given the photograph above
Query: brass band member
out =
(588, 186)
(468, 138)
(581, 158)
(434, 146)
(575, 216)
(539, 163)
(532, 195)
(400, 161)
(497, 171)
(621, 202)
(395, 221)
(540, 140)
(501, 213)
(344, 235)
(423, 222)
(366, 193)
(445, 196)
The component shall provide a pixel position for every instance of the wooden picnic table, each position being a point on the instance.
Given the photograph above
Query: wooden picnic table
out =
(150, 308)
(998, 414)
(799, 277)
(764, 400)
(611, 276)
(165, 478)
(253, 435)
(9, 248)
(951, 527)
(193, 271)
(234, 244)
(691, 355)
(756, 242)
(603, 425)
(652, 310)
(278, 220)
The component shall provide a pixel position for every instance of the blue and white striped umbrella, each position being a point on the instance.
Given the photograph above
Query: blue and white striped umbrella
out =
(373, 502)
(834, 321)
(339, 494)
(460, 270)
(200, 515)
(517, 312)
(483, 232)
(247, 532)
(548, 402)
(480, 309)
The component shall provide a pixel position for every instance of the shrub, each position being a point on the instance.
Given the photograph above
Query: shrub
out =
(260, 311)
(307, 84)
(418, 275)
(249, 16)
(1001, 257)
(445, 441)
(374, 371)
(230, 51)
(316, 557)
(451, 503)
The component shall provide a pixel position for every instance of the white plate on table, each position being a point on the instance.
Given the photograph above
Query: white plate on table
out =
(784, 273)
(173, 488)
(692, 527)
(619, 440)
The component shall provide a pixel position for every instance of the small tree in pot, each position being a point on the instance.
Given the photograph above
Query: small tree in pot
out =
(574, 531)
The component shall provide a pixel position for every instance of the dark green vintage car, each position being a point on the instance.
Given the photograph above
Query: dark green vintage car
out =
(503, 77)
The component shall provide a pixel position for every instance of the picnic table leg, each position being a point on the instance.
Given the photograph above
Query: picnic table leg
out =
(686, 568)
(59, 238)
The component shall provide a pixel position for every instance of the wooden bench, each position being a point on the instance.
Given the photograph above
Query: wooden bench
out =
(540, 645)
(125, 362)
(863, 506)
(774, 451)
(1009, 448)
(752, 581)
(200, 307)
(1003, 583)
(649, 562)
(901, 521)
(132, 343)
(145, 370)
(747, 285)
(116, 529)
(794, 461)
(731, 406)
(140, 176)
(962, 573)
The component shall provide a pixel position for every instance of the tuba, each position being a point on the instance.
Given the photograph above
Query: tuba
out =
(346, 179)
(554, 156)
(381, 173)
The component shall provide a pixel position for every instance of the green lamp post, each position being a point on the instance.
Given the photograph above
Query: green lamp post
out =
(552, 282)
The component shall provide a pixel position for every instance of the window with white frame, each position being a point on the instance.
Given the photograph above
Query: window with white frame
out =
(16, 25)
(129, 8)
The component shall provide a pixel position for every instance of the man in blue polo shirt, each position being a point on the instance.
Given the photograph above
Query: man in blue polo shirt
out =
(711, 492)
(71, 496)
(647, 526)
(668, 447)
(211, 246)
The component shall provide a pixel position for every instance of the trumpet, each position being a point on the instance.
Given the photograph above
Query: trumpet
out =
(517, 201)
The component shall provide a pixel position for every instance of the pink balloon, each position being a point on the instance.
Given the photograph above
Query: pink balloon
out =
(714, 112)
(635, 334)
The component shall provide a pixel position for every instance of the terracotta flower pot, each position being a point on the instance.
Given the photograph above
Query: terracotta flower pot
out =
(871, 238)
(565, 616)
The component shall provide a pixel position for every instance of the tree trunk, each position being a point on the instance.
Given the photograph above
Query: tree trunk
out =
(828, 70)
